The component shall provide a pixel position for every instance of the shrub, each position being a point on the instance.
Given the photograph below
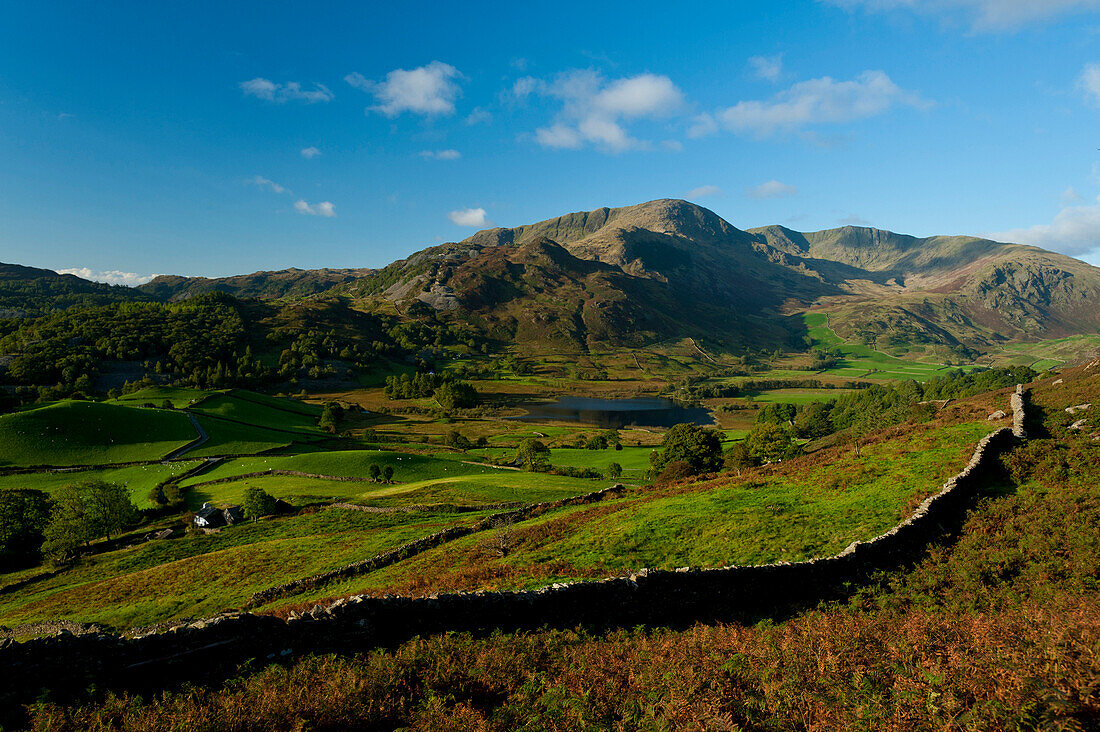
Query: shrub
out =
(697, 446)
(258, 503)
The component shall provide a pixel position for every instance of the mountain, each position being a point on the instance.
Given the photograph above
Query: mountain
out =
(948, 290)
(29, 291)
(703, 276)
(264, 285)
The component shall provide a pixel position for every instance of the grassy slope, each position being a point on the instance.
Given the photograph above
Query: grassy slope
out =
(84, 433)
(204, 574)
(997, 631)
(814, 506)
(441, 478)
(138, 478)
(270, 414)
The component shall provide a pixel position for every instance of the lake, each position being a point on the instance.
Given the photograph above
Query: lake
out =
(616, 413)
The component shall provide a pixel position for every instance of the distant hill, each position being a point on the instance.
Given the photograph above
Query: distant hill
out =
(739, 286)
(945, 289)
(264, 285)
(671, 269)
(29, 291)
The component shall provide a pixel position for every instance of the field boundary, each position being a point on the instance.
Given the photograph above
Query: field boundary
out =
(682, 596)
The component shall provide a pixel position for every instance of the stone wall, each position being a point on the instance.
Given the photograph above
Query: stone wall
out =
(193, 650)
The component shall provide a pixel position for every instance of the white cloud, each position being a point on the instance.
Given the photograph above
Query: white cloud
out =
(479, 116)
(1075, 230)
(324, 208)
(110, 276)
(703, 192)
(280, 93)
(427, 90)
(771, 189)
(702, 125)
(310, 152)
(769, 68)
(440, 154)
(1070, 196)
(853, 220)
(818, 101)
(673, 145)
(263, 182)
(1089, 82)
(469, 217)
(594, 109)
(982, 15)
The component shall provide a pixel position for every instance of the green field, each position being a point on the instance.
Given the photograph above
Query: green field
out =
(138, 478)
(87, 433)
(810, 511)
(275, 414)
(180, 396)
(230, 438)
(862, 362)
(417, 479)
(205, 574)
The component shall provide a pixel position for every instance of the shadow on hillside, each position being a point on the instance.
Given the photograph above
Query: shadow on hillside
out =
(82, 669)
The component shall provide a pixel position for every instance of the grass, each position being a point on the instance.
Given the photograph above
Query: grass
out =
(204, 574)
(269, 413)
(138, 478)
(230, 438)
(814, 507)
(632, 459)
(418, 479)
(180, 396)
(88, 433)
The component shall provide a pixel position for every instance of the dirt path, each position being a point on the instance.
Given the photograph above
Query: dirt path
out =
(202, 438)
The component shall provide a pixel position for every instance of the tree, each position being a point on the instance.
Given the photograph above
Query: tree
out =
(24, 514)
(387, 473)
(697, 446)
(769, 443)
(614, 470)
(738, 457)
(533, 454)
(331, 415)
(167, 404)
(258, 503)
(456, 395)
(374, 471)
(86, 511)
(674, 471)
(456, 439)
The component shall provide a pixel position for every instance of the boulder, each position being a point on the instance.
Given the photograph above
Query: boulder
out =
(1078, 408)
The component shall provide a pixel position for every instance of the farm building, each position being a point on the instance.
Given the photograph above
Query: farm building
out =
(209, 517)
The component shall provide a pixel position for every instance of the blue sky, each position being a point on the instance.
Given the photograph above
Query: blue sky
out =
(197, 139)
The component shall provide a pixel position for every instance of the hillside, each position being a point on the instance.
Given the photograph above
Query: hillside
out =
(291, 282)
(961, 293)
(30, 291)
(945, 290)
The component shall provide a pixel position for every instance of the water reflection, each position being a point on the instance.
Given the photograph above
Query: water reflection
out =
(616, 413)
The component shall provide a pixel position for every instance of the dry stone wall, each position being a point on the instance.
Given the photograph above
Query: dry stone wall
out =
(192, 650)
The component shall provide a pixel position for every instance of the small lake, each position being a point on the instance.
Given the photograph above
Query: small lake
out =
(616, 413)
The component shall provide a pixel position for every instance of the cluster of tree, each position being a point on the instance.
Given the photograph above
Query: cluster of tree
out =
(600, 441)
(258, 503)
(879, 406)
(533, 454)
(448, 392)
(767, 442)
(456, 439)
(331, 414)
(212, 341)
(687, 449)
(32, 522)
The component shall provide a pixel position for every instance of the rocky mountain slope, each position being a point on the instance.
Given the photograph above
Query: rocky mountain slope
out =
(671, 269)
(740, 286)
